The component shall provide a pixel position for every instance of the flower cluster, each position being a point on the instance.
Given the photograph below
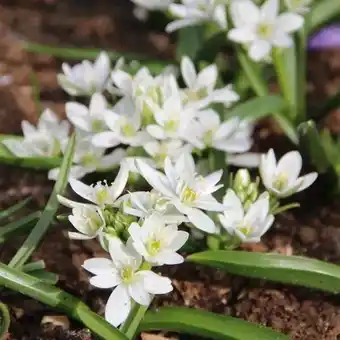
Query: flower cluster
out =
(140, 230)
(258, 27)
(136, 116)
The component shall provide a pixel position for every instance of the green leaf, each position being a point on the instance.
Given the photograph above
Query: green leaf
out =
(253, 72)
(206, 324)
(258, 107)
(5, 320)
(44, 276)
(32, 266)
(287, 127)
(322, 12)
(25, 223)
(130, 326)
(13, 209)
(190, 40)
(30, 286)
(286, 69)
(295, 270)
(46, 218)
(71, 53)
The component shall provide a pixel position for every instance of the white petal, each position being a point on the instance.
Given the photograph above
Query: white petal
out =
(259, 49)
(179, 240)
(220, 16)
(233, 205)
(78, 236)
(248, 160)
(209, 204)
(118, 306)
(308, 180)
(201, 221)
(156, 131)
(188, 72)
(244, 13)
(241, 35)
(282, 39)
(113, 159)
(156, 284)
(268, 168)
(78, 115)
(82, 189)
(105, 139)
(290, 165)
(105, 280)
(98, 265)
(118, 186)
(269, 10)
(122, 80)
(289, 22)
(155, 178)
(207, 77)
(138, 293)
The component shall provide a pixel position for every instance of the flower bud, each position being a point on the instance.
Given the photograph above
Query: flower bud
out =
(242, 179)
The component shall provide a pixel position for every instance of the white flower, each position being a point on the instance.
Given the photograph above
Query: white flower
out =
(88, 219)
(153, 4)
(231, 136)
(123, 272)
(171, 148)
(43, 140)
(185, 189)
(124, 122)
(247, 226)
(85, 78)
(101, 193)
(299, 6)
(262, 28)
(195, 12)
(156, 242)
(201, 86)
(89, 119)
(87, 158)
(143, 204)
(281, 178)
(173, 121)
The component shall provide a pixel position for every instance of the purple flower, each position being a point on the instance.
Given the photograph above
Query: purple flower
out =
(326, 38)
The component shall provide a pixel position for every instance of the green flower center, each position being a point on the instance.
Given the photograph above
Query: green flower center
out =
(208, 137)
(245, 229)
(127, 274)
(97, 125)
(153, 246)
(171, 126)
(281, 182)
(189, 195)
(128, 130)
(102, 195)
(265, 31)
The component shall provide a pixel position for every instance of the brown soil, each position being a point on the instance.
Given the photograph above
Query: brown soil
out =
(313, 231)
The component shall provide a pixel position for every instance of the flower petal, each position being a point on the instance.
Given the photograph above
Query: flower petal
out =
(259, 49)
(290, 165)
(188, 72)
(289, 22)
(200, 220)
(98, 265)
(156, 284)
(118, 306)
(308, 180)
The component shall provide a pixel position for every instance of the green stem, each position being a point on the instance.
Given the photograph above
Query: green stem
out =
(44, 222)
(130, 326)
(25, 284)
(5, 320)
(285, 208)
(301, 57)
(252, 72)
(285, 66)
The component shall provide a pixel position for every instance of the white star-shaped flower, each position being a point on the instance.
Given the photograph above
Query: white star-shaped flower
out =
(123, 273)
(261, 28)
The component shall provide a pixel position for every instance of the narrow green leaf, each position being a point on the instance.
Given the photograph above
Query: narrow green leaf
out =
(46, 277)
(30, 286)
(13, 209)
(72, 53)
(32, 266)
(35, 84)
(286, 69)
(206, 324)
(322, 12)
(130, 326)
(258, 107)
(295, 270)
(41, 227)
(252, 72)
(5, 320)
(25, 223)
(287, 127)
(190, 40)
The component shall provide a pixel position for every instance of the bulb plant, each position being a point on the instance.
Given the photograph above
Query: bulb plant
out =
(167, 132)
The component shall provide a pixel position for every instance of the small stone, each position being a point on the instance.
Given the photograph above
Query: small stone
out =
(57, 321)
(308, 235)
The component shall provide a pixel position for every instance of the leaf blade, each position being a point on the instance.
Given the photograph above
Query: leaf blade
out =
(293, 270)
(206, 324)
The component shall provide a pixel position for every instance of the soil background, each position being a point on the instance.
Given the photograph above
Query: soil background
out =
(313, 230)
